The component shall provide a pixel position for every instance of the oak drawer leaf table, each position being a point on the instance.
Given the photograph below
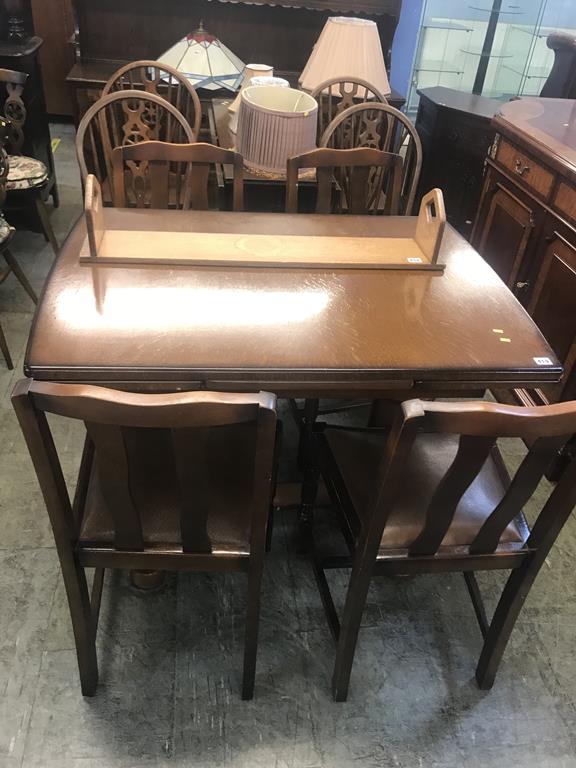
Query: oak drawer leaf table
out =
(300, 332)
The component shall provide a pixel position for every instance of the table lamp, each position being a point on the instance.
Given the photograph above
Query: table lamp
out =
(205, 61)
(347, 48)
(273, 125)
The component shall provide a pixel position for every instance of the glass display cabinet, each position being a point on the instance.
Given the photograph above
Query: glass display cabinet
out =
(496, 48)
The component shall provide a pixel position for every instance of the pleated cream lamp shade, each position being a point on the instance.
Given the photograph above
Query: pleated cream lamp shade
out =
(205, 61)
(273, 125)
(346, 48)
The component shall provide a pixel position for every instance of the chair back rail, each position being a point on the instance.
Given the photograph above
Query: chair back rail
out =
(368, 180)
(382, 127)
(125, 118)
(149, 167)
(337, 94)
(162, 80)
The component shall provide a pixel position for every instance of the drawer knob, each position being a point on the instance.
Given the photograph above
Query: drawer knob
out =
(522, 285)
(521, 168)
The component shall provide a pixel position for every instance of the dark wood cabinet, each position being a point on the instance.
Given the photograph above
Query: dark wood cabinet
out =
(507, 230)
(553, 300)
(456, 132)
(526, 222)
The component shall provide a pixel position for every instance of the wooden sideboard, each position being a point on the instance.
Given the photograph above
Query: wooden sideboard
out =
(278, 32)
(526, 222)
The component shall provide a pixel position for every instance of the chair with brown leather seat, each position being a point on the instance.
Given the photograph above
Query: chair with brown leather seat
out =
(177, 482)
(433, 495)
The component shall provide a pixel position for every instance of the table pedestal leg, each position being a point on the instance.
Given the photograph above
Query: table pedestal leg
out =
(147, 580)
(310, 476)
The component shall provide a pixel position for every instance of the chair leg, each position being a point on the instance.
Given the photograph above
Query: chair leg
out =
(310, 479)
(350, 626)
(5, 350)
(251, 636)
(55, 195)
(326, 597)
(45, 222)
(509, 606)
(270, 528)
(21, 277)
(81, 613)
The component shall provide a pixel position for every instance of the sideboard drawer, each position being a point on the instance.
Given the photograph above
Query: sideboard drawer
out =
(525, 168)
(565, 200)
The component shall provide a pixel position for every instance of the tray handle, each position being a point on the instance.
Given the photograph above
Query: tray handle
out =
(94, 214)
(430, 224)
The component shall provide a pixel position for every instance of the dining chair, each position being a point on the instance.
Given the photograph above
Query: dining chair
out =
(156, 174)
(6, 234)
(383, 127)
(338, 93)
(162, 80)
(367, 180)
(122, 118)
(171, 482)
(28, 178)
(432, 495)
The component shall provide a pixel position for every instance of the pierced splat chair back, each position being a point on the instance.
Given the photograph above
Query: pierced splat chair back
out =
(336, 95)
(156, 174)
(162, 80)
(14, 109)
(380, 126)
(124, 118)
(356, 181)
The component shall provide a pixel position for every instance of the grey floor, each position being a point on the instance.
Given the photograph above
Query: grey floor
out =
(170, 661)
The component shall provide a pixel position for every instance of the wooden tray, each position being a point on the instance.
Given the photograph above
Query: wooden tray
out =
(135, 247)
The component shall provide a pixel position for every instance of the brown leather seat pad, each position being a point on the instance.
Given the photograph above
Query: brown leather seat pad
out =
(154, 488)
(357, 455)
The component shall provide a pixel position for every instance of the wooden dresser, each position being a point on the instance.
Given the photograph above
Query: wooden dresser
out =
(112, 32)
(526, 222)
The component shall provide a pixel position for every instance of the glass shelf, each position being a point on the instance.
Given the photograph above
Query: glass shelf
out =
(447, 68)
(488, 55)
(536, 73)
(500, 13)
(447, 26)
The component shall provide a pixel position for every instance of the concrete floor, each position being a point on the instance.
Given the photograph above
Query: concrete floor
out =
(170, 662)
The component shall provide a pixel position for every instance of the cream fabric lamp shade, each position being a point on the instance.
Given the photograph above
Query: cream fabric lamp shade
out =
(205, 61)
(250, 71)
(347, 48)
(273, 125)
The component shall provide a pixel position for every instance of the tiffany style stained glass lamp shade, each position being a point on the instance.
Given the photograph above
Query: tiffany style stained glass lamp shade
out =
(205, 61)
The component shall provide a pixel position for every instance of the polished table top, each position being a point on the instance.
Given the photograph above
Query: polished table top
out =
(305, 331)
